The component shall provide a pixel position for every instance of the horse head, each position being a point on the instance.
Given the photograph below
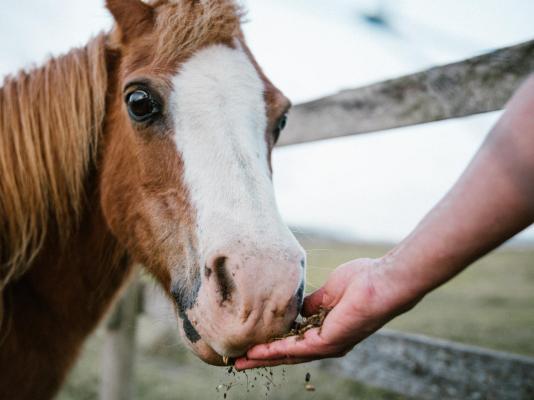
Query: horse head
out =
(186, 182)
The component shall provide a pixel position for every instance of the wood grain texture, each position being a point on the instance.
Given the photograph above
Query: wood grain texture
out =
(476, 85)
(118, 353)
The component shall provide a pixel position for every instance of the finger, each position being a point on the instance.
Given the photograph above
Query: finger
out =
(310, 346)
(245, 363)
(313, 302)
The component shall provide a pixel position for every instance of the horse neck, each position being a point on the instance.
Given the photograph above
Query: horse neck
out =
(52, 309)
(58, 301)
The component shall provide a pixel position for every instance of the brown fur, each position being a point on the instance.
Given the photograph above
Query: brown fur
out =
(57, 106)
(84, 192)
(159, 46)
(60, 265)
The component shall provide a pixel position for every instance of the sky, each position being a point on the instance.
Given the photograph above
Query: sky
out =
(373, 187)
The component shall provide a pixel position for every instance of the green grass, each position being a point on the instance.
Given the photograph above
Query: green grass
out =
(491, 304)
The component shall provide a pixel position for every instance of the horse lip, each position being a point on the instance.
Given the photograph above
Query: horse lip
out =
(212, 358)
(202, 349)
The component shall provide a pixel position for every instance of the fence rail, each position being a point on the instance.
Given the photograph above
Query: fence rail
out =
(428, 368)
(476, 85)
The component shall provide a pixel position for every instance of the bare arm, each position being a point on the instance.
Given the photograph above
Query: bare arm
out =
(492, 201)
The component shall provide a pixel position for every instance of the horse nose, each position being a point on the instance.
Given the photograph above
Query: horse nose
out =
(250, 297)
(230, 275)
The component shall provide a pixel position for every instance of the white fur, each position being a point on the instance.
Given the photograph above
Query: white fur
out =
(219, 115)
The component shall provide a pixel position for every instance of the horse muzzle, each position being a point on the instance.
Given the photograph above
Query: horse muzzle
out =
(242, 300)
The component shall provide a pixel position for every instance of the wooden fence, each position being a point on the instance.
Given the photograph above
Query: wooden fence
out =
(473, 86)
(408, 364)
(429, 368)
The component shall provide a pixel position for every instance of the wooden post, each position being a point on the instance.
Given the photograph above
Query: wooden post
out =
(118, 352)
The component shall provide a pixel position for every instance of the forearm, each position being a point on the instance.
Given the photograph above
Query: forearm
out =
(492, 201)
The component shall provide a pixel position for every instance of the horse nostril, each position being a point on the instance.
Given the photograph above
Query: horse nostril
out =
(299, 296)
(224, 280)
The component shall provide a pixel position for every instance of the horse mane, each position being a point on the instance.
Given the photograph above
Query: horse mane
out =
(185, 26)
(50, 120)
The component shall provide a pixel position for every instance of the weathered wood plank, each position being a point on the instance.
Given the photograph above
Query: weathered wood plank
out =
(468, 87)
(118, 353)
(427, 368)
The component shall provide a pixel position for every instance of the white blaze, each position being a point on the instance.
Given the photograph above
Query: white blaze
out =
(219, 115)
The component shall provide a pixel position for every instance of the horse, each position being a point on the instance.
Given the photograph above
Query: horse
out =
(149, 145)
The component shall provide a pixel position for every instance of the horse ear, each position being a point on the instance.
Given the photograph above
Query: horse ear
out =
(133, 17)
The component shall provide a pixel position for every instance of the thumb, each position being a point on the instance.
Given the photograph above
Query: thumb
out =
(331, 292)
(312, 303)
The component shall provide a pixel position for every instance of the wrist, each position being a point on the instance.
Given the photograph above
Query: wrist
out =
(398, 288)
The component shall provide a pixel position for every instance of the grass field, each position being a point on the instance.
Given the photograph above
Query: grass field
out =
(491, 305)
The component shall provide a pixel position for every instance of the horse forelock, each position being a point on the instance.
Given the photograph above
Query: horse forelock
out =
(182, 27)
(50, 121)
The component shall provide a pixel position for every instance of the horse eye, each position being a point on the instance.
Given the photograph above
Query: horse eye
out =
(282, 122)
(280, 125)
(141, 105)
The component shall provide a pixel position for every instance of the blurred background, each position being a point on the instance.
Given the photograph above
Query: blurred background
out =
(345, 198)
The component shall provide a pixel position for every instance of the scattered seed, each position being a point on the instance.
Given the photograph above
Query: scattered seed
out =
(303, 325)
(309, 387)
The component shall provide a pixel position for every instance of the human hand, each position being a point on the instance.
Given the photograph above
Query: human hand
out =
(360, 300)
